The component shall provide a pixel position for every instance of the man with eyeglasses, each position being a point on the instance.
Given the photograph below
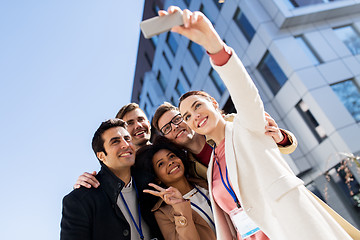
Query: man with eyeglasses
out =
(169, 122)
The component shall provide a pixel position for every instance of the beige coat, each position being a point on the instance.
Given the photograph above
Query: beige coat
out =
(181, 221)
(272, 196)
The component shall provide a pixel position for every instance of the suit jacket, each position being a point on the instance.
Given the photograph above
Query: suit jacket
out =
(94, 214)
(265, 185)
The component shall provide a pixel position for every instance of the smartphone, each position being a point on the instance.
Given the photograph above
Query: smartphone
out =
(157, 25)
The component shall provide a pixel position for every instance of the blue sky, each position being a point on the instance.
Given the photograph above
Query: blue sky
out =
(65, 66)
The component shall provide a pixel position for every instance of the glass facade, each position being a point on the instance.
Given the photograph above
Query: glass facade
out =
(171, 41)
(196, 51)
(215, 78)
(218, 3)
(179, 88)
(244, 24)
(302, 3)
(161, 80)
(310, 120)
(185, 76)
(349, 94)
(167, 60)
(350, 37)
(271, 72)
(309, 51)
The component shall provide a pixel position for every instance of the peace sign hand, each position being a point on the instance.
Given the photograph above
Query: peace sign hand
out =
(170, 195)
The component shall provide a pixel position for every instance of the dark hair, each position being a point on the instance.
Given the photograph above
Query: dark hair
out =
(97, 141)
(127, 108)
(191, 93)
(145, 154)
(198, 93)
(161, 110)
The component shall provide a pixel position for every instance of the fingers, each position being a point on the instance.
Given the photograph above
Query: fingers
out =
(87, 180)
(162, 12)
(186, 17)
(173, 9)
(156, 187)
(271, 128)
(152, 192)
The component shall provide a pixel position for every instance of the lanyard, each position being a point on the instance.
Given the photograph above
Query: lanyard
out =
(227, 186)
(203, 194)
(138, 228)
(207, 216)
(208, 201)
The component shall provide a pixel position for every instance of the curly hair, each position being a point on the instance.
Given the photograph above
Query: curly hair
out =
(145, 154)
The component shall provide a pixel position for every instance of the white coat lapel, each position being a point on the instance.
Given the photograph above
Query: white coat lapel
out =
(230, 158)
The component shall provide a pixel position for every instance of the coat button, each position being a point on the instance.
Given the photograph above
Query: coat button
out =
(182, 221)
(126, 232)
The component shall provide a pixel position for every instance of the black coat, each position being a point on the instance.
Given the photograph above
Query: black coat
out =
(93, 213)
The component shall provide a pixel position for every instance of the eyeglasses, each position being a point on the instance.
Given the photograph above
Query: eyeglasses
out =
(176, 120)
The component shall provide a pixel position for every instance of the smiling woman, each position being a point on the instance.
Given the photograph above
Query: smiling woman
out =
(253, 192)
(183, 210)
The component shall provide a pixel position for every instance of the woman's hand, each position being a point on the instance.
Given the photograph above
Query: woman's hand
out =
(170, 195)
(272, 129)
(198, 28)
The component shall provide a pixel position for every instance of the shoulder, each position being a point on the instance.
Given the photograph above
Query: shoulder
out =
(82, 194)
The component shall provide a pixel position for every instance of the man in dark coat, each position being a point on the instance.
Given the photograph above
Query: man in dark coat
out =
(113, 210)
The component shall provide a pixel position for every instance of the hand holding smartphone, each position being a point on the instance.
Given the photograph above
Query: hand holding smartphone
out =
(160, 24)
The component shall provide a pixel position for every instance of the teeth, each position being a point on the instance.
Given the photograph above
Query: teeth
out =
(202, 122)
(125, 154)
(138, 133)
(180, 133)
(172, 170)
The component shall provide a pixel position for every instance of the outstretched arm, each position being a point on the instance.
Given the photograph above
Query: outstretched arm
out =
(197, 28)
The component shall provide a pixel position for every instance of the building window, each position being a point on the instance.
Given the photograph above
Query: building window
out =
(154, 40)
(342, 176)
(218, 3)
(160, 78)
(171, 41)
(156, 9)
(302, 3)
(243, 23)
(166, 60)
(215, 78)
(349, 94)
(179, 88)
(172, 100)
(187, 2)
(146, 108)
(149, 98)
(185, 76)
(208, 14)
(350, 37)
(196, 51)
(148, 60)
(309, 51)
(271, 72)
(310, 120)
(315, 190)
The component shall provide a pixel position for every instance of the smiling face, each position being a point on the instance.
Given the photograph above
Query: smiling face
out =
(168, 167)
(200, 114)
(180, 134)
(138, 127)
(120, 152)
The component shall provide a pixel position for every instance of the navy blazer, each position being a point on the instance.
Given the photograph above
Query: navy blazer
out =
(93, 213)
